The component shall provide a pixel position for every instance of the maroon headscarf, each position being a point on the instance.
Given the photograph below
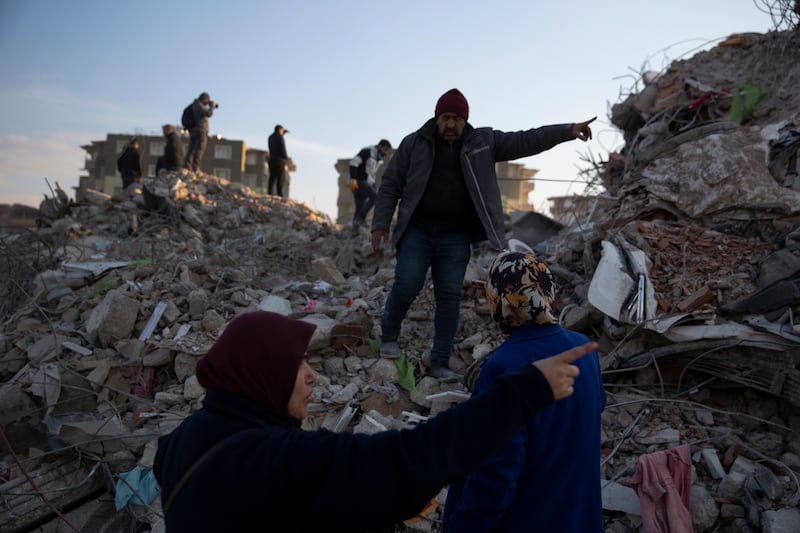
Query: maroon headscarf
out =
(257, 356)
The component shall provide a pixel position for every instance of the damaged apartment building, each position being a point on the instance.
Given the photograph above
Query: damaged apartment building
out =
(515, 182)
(229, 159)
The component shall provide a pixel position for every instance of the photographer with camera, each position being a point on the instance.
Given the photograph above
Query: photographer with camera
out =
(196, 122)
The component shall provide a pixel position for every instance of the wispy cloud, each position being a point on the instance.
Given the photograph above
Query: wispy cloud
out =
(40, 107)
(295, 145)
(25, 162)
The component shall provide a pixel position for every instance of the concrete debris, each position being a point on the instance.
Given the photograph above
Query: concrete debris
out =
(688, 277)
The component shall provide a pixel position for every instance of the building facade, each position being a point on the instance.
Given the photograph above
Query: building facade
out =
(512, 178)
(569, 210)
(225, 158)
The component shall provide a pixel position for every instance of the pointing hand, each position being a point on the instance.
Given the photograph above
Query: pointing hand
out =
(582, 130)
(559, 371)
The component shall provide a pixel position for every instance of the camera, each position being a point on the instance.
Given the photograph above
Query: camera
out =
(216, 105)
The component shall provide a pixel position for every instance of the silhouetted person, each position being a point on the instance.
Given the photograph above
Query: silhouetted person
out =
(202, 108)
(173, 151)
(129, 163)
(278, 158)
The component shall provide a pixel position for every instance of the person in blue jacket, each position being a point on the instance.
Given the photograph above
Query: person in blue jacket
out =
(546, 478)
(243, 463)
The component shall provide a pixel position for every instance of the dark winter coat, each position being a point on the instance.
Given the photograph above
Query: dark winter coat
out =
(173, 152)
(547, 477)
(278, 476)
(129, 165)
(201, 114)
(277, 148)
(407, 175)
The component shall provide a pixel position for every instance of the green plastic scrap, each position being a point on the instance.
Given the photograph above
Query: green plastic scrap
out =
(406, 378)
(104, 285)
(375, 346)
(743, 102)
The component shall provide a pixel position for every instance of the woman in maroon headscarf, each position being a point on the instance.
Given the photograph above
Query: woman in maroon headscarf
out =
(242, 463)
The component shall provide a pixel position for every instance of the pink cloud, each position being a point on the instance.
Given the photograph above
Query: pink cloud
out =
(25, 162)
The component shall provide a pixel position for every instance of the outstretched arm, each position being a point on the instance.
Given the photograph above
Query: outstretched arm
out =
(395, 473)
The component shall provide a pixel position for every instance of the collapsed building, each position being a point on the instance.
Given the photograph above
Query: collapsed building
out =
(688, 277)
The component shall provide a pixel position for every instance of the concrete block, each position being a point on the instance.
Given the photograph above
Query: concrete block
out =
(785, 520)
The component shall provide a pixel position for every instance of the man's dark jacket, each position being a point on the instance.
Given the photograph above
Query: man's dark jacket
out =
(173, 152)
(277, 148)
(129, 165)
(201, 114)
(409, 170)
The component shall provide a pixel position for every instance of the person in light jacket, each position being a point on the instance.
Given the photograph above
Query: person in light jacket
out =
(363, 168)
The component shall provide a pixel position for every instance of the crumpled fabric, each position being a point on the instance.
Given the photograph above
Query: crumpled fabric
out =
(663, 482)
(137, 486)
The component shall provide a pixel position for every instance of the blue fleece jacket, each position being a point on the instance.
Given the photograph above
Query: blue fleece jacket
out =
(547, 477)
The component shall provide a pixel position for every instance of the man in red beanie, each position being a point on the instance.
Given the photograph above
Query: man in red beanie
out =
(443, 176)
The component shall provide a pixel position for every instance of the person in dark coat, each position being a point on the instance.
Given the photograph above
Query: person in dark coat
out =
(242, 462)
(173, 151)
(547, 477)
(202, 108)
(278, 159)
(129, 163)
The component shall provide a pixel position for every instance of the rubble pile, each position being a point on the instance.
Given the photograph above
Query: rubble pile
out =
(687, 273)
(689, 277)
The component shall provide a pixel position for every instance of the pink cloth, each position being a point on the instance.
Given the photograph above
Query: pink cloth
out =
(663, 482)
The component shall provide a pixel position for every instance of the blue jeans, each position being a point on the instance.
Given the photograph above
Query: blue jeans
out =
(447, 256)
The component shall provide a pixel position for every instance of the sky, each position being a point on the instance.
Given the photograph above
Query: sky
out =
(340, 75)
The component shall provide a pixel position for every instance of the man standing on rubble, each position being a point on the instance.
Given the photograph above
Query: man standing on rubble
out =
(172, 159)
(535, 481)
(363, 168)
(129, 164)
(278, 159)
(202, 108)
(443, 176)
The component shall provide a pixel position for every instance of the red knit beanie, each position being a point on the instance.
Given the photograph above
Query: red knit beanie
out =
(257, 356)
(452, 102)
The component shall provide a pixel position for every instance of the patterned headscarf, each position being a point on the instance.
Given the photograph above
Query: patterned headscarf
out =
(257, 356)
(520, 290)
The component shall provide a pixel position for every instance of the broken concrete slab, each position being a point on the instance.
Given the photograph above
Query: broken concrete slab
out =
(618, 497)
(721, 173)
(113, 319)
(780, 521)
